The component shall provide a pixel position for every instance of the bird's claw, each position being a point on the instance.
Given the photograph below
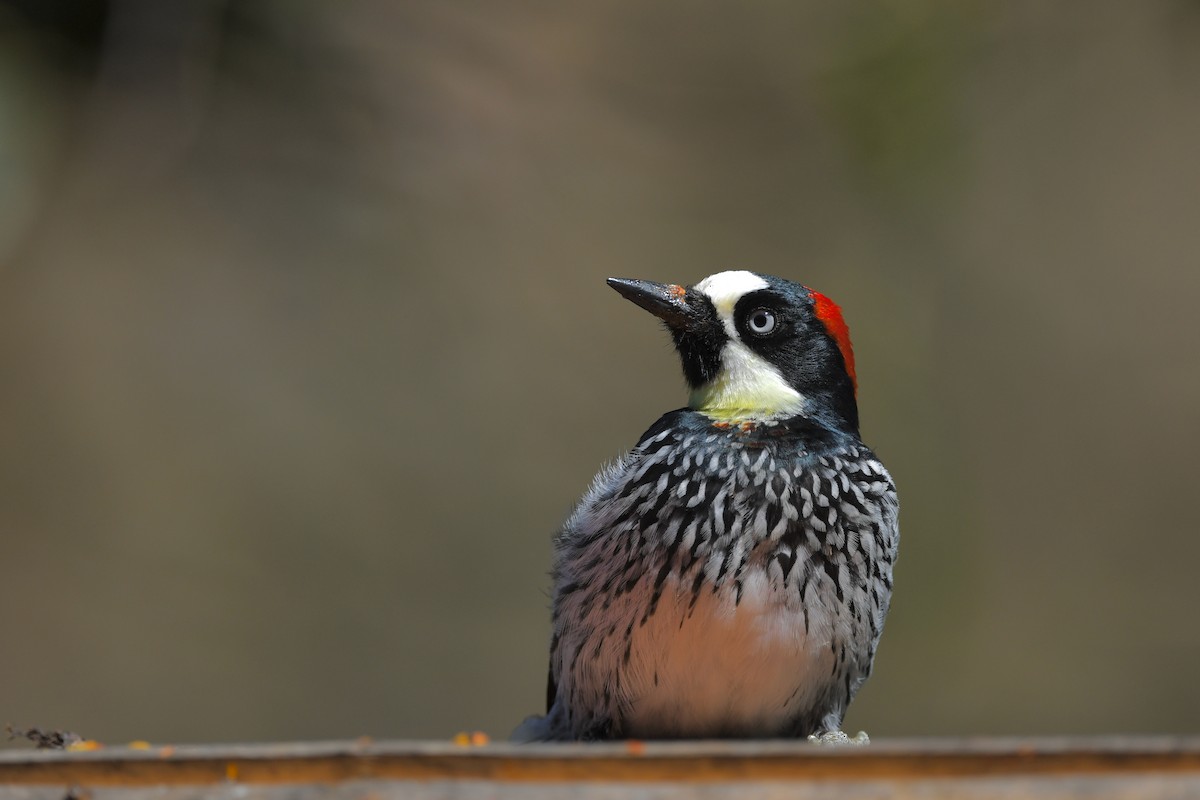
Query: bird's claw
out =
(839, 739)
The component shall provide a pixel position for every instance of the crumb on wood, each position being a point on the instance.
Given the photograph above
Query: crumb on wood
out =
(44, 740)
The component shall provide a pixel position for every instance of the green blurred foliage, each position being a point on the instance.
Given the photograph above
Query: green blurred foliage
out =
(893, 88)
(306, 350)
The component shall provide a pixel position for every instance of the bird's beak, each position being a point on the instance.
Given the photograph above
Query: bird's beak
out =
(666, 301)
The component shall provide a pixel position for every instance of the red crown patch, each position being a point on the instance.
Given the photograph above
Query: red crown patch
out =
(831, 316)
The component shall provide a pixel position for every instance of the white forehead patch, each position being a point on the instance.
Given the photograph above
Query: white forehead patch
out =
(726, 288)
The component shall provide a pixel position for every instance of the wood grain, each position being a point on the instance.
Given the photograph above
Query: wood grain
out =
(673, 762)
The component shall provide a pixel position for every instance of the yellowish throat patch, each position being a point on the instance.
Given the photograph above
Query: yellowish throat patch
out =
(747, 388)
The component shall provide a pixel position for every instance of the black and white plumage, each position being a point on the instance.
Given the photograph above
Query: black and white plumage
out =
(729, 576)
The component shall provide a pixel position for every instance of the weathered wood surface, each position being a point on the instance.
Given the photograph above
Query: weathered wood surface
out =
(1134, 767)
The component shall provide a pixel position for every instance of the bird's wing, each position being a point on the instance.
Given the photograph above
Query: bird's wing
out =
(551, 686)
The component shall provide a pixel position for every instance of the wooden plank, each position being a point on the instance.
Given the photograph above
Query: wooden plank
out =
(1112, 760)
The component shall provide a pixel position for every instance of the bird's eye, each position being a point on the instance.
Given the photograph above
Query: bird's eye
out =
(761, 322)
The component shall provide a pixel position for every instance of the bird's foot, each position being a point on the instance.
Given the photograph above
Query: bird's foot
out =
(839, 739)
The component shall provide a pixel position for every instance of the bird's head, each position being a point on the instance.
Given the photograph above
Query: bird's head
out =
(756, 347)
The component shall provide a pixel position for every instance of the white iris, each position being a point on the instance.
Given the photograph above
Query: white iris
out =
(761, 322)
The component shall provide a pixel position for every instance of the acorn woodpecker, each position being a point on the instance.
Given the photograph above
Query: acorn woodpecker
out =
(729, 577)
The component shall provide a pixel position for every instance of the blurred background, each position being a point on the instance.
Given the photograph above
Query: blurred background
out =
(305, 347)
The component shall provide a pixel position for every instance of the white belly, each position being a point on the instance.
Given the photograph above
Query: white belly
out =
(724, 669)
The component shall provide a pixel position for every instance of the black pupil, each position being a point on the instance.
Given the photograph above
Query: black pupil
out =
(760, 320)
